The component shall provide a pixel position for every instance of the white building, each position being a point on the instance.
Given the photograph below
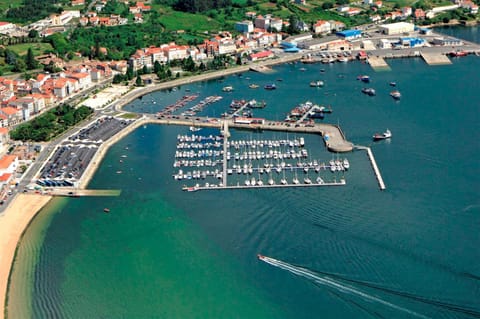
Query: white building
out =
(396, 28)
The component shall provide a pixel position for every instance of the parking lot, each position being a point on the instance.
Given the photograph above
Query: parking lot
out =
(72, 156)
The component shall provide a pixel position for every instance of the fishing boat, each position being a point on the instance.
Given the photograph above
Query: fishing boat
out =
(253, 86)
(270, 86)
(106, 210)
(396, 95)
(382, 136)
(317, 83)
(253, 104)
(369, 91)
(364, 78)
(346, 163)
(458, 53)
(227, 88)
(393, 83)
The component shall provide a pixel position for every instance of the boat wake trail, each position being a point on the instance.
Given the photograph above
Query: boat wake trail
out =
(329, 282)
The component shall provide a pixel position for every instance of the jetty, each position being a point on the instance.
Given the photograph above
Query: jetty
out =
(378, 63)
(75, 192)
(381, 184)
(435, 58)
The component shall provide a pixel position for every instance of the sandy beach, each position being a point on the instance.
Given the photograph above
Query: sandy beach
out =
(12, 225)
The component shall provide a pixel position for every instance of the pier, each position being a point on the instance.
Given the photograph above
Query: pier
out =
(377, 62)
(435, 58)
(75, 192)
(374, 165)
(215, 187)
(333, 136)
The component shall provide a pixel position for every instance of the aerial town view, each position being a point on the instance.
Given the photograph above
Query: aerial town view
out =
(239, 159)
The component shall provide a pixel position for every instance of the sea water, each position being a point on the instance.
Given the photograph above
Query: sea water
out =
(165, 253)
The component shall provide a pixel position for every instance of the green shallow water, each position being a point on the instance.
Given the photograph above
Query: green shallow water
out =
(164, 253)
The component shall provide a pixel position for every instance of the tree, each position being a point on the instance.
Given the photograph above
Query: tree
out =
(30, 61)
(32, 34)
(138, 81)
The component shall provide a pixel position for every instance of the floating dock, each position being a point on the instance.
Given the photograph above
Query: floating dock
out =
(374, 166)
(435, 58)
(216, 187)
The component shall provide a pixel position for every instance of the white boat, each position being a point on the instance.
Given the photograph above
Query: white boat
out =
(227, 88)
(194, 129)
(247, 182)
(385, 135)
(307, 180)
(346, 163)
(320, 180)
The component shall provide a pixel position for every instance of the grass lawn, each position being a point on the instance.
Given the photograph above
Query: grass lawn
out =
(38, 48)
(175, 20)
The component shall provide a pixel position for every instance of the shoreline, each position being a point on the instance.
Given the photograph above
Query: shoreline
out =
(13, 224)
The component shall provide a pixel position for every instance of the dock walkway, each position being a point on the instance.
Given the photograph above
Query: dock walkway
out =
(374, 165)
(378, 63)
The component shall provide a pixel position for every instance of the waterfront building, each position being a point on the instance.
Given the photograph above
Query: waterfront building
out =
(260, 55)
(447, 41)
(396, 28)
(349, 34)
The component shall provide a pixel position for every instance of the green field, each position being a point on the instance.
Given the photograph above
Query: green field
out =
(38, 48)
(175, 20)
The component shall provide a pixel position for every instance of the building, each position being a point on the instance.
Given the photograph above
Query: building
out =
(244, 26)
(447, 41)
(260, 55)
(8, 164)
(396, 28)
(349, 34)
(321, 27)
(412, 42)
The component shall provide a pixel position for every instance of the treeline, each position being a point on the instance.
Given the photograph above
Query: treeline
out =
(32, 10)
(51, 124)
(194, 6)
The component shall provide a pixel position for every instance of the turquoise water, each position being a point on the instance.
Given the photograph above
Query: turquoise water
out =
(351, 252)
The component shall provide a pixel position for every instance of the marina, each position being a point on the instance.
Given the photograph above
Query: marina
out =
(240, 164)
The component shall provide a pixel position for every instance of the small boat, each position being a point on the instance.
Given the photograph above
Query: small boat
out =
(393, 83)
(458, 53)
(382, 136)
(369, 91)
(227, 88)
(396, 95)
(346, 163)
(194, 129)
(364, 78)
(106, 210)
(253, 86)
(270, 86)
(317, 83)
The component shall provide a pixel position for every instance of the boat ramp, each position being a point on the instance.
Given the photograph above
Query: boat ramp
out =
(435, 58)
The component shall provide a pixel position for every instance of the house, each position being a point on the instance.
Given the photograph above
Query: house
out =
(262, 22)
(378, 4)
(13, 115)
(321, 27)
(8, 164)
(353, 11)
(74, 3)
(276, 24)
(260, 55)
(375, 18)
(4, 136)
(419, 14)
(83, 78)
(6, 26)
(250, 14)
(406, 11)
(336, 25)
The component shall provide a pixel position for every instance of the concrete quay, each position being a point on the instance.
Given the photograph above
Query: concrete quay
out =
(435, 58)
(377, 62)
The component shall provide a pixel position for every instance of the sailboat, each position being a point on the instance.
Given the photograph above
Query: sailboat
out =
(283, 181)
(295, 178)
